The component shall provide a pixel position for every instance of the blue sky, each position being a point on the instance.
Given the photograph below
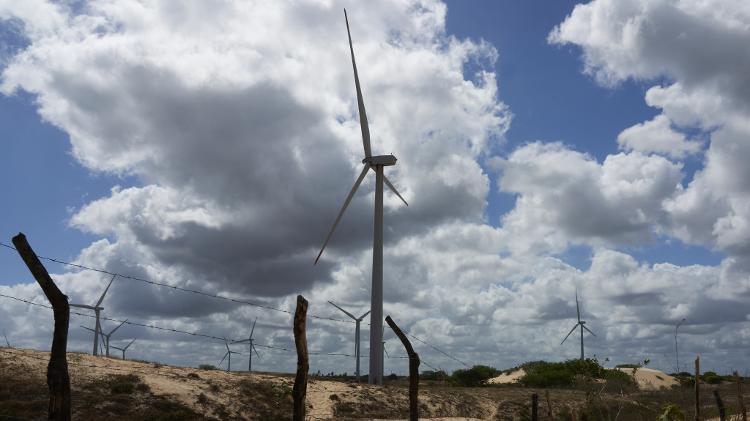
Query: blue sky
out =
(207, 126)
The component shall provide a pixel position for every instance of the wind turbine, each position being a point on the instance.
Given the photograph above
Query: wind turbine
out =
(125, 348)
(377, 164)
(356, 333)
(6, 340)
(106, 336)
(251, 345)
(580, 323)
(97, 310)
(228, 354)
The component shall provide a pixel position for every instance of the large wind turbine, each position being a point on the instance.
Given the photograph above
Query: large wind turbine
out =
(580, 323)
(97, 310)
(375, 163)
(357, 320)
(250, 341)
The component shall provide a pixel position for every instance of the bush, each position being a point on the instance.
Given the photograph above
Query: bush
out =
(561, 374)
(433, 375)
(207, 367)
(474, 376)
(711, 378)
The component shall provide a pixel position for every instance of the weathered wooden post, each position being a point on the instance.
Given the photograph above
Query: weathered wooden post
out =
(549, 404)
(720, 405)
(697, 388)
(58, 380)
(740, 399)
(534, 407)
(413, 370)
(300, 341)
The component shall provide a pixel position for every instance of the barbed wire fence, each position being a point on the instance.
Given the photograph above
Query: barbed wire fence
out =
(218, 297)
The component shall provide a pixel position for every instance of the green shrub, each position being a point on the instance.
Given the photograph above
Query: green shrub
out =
(474, 376)
(207, 367)
(560, 374)
(433, 375)
(124, 384)
(628, 366)
(671, 412)
(711, 378)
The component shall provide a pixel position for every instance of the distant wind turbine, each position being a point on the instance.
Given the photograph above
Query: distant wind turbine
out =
(125, 348)
(97, 310)
(580, 323)
(375, 163)
(106, 336)
(6, 340)
(357, 320)
(250, 341)
(229, 355)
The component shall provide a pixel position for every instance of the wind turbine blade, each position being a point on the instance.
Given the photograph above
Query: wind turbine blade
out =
(390, 186)
(222, 360)
(226, 345)
(131, 343)
(343, 208)
(241, 341)
(360, 102)
(363, 316)
(118, 326)
(253, 329)
(82, 306)
(386, 351)
(578, 309)
(589, 330)
(88, 328)
(571, 331)
(256, 351)
(345, 312)
(105, 290)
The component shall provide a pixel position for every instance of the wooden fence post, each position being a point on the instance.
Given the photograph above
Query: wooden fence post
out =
(740, 399)
(300, 341)
(58, 380)
(549, 404)
(413, 370)
(697, 388)
(720, 405)
(534, 407)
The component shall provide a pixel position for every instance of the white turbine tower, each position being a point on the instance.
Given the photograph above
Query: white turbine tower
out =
(125, 348)
(97, 310)
(250, 341)
(376, 163)
(580, 323)
(357, 320)
(228, 354)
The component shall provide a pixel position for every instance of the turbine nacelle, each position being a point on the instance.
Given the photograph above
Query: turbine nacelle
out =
(382, 160)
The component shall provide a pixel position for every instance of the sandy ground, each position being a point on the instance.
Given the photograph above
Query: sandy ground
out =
(650, 379)
(185, 384)
(507, 378)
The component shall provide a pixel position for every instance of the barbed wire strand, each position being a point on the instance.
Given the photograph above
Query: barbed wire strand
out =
(178, 288)
(221, 297)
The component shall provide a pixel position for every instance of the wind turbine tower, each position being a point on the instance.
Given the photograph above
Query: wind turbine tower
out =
(377, 165)
(125, 348)
(229, 355)
(250, 341)
(357, 321)
(582, 325)
(97, 311)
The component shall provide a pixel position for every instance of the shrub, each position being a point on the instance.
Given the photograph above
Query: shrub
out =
(474, 376)
(560, 374)
(671, 412)
(433, 375)
(124, 384)
(711, 378)
(207, 367)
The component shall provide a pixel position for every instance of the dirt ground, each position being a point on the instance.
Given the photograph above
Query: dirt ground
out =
(109, 388)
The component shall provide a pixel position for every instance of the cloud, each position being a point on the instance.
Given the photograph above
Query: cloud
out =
(657, 136)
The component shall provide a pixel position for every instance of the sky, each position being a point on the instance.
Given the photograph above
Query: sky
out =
(544, 148)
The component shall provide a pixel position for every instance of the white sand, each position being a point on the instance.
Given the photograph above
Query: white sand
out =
(508, 378)
(650, 379)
